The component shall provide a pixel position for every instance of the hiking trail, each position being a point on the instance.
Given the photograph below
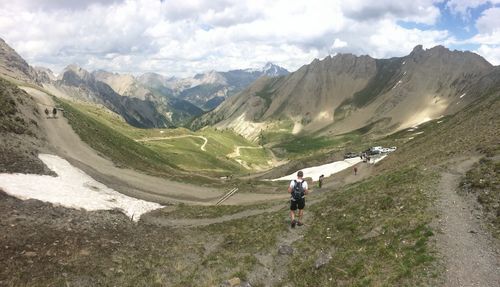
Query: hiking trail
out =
(469, 252)
(237, 149)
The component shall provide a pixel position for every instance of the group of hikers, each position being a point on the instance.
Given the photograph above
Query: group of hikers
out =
(54, 112)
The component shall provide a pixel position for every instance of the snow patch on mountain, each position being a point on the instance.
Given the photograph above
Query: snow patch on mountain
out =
(72, 188)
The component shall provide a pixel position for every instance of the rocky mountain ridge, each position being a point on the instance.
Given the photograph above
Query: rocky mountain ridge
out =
(13, 66)
(208, 90)
(344, 93)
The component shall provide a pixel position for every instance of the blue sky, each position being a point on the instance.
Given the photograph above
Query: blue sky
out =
(185, 37)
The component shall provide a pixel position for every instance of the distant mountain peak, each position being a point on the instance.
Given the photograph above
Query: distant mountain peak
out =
(273, 70)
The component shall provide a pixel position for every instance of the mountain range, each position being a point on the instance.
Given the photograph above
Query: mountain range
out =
(208, 90)
(345, 93)
(335, 95)
(149, 100)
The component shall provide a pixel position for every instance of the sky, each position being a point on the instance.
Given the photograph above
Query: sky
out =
(185, 37)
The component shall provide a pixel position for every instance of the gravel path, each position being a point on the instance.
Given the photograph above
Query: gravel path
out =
(470, 253)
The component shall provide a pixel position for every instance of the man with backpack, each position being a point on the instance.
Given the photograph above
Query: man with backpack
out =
(298, 190)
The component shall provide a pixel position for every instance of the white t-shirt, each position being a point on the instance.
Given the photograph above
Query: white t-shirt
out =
(304, 184)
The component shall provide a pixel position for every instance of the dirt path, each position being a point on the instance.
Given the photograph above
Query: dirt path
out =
(188, 222)
(468, 250)
(274, 162)
(202, 147)
(67, 144)
(237, 149)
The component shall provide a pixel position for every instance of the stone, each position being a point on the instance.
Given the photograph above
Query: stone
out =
(84, 252)
(372, 233)
(233, 282)
(30, 254)
(322, 260)
(285, 250)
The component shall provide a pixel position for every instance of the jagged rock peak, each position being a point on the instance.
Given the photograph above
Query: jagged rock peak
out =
(418, 49)
(79, 71)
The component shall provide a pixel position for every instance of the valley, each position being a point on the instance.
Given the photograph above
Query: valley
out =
(138, 195)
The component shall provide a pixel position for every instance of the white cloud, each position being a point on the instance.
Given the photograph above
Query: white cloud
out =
(338, 44)
(489, 21)
(189, 36)
(419, 11)
(464, 7)
(490, 53)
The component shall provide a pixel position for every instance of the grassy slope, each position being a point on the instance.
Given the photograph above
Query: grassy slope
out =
(116, 140)
(482, 182)
(112, 143)
(377, 231)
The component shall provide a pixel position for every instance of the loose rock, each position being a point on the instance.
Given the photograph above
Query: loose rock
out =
(285, 250)
(322, 260)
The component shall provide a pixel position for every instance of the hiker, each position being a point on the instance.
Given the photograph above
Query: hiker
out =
(47, 112)
(320, 181)
(355, 170)
(298, 190)
(54, 112)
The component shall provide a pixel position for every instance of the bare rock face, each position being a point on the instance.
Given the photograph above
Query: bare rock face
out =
(14, 66)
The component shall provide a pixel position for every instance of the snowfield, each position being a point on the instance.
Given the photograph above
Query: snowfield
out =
(329, 168)
(72, 188)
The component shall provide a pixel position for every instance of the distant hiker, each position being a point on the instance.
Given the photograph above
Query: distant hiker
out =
(355, 170)
(54, 112)
(320, 181)
(298, 190)
(47, 112)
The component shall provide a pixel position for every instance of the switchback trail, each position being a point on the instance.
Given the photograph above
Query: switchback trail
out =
(202, 147)
(470, 253)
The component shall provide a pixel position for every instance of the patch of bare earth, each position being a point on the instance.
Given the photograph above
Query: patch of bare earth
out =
(470, 254)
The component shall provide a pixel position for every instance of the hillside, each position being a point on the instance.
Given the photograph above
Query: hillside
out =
(343, 93)
(373, 229)
(20, 135)
(14, 66)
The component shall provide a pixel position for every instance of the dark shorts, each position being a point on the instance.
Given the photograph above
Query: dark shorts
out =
(301, 203)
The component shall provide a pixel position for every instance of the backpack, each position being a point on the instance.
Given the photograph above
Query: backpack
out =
(298, 190)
